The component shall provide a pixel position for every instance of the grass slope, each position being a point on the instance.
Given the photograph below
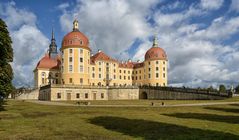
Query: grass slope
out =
(23, 120)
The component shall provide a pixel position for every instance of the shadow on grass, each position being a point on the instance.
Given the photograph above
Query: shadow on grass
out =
(2, 103)
(208, 117)
(235, 105)
(231, 110)
(139, 128)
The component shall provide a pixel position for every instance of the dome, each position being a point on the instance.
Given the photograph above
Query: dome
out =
(49, 63)
(155, 53)
(75, 38)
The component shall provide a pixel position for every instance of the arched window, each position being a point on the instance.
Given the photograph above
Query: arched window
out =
(43, 74)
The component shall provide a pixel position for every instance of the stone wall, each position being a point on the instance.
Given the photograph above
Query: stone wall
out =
(32, 95)
(75, 93)
(182, 94)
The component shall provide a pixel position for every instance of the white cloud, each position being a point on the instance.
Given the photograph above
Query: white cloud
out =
(219, 29)
(115, 26)
(196, 57)
(211, 4)
(29, 44)
(234, 5)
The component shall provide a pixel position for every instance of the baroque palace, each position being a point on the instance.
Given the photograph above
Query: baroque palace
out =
(76, 74)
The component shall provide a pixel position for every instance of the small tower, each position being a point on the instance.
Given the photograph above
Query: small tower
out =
(53, 46)
(75, 25)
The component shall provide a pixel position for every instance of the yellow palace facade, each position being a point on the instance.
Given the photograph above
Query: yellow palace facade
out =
(76, 66)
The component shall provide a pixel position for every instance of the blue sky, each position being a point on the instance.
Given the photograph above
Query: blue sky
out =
(200, 37)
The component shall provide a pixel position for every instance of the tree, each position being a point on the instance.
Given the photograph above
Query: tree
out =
(6, 56)
(222, 88)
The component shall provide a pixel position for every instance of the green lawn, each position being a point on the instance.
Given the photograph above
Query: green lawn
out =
(156, 102)
(24, 120)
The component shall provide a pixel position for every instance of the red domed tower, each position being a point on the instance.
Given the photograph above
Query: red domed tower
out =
(156, 65)
(75, 57)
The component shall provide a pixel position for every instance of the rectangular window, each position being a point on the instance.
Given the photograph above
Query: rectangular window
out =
(58, 95)
(70, 59)
(81, 68)
(128, 72)
(163, 62)
(102, 95)
(70, 80)
(70, 68)
(128, 77)
(120, 71)
(114, 76)
(99, 75)
(149, 63)
(163, 68)
(77, 95)
(149, 69)
(157, 75)
(99, 63)
(157, 68)
(120, 76)
(71, 50)
(136, 72)
(132, 77)
(136, 77)
(163, 75)
(99, 69)
(86, 95)
(149, 76)
(81, 51)
(157, 62)
(93, 68)
(81, 81)
(124, 71)
(81, 59)
(124, 77)
(114, 70)
(42, 80)
(139, 77)
(93, 75)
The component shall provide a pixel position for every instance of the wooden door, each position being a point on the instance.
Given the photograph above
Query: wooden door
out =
(94, 96)
(68, 96)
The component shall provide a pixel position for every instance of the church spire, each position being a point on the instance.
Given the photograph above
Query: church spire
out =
(155, 41)
(75, 25)
(52, 34)
(53, 46)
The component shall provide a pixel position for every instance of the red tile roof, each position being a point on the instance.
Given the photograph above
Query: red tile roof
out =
(100, 56)
(49, 63)
(155, 53)
(75, 39)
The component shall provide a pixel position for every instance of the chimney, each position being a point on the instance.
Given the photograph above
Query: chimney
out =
(99, 50)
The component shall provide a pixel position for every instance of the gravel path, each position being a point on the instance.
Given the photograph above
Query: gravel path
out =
(175, 105)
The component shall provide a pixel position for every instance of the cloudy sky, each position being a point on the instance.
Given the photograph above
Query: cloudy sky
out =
(201, 37)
